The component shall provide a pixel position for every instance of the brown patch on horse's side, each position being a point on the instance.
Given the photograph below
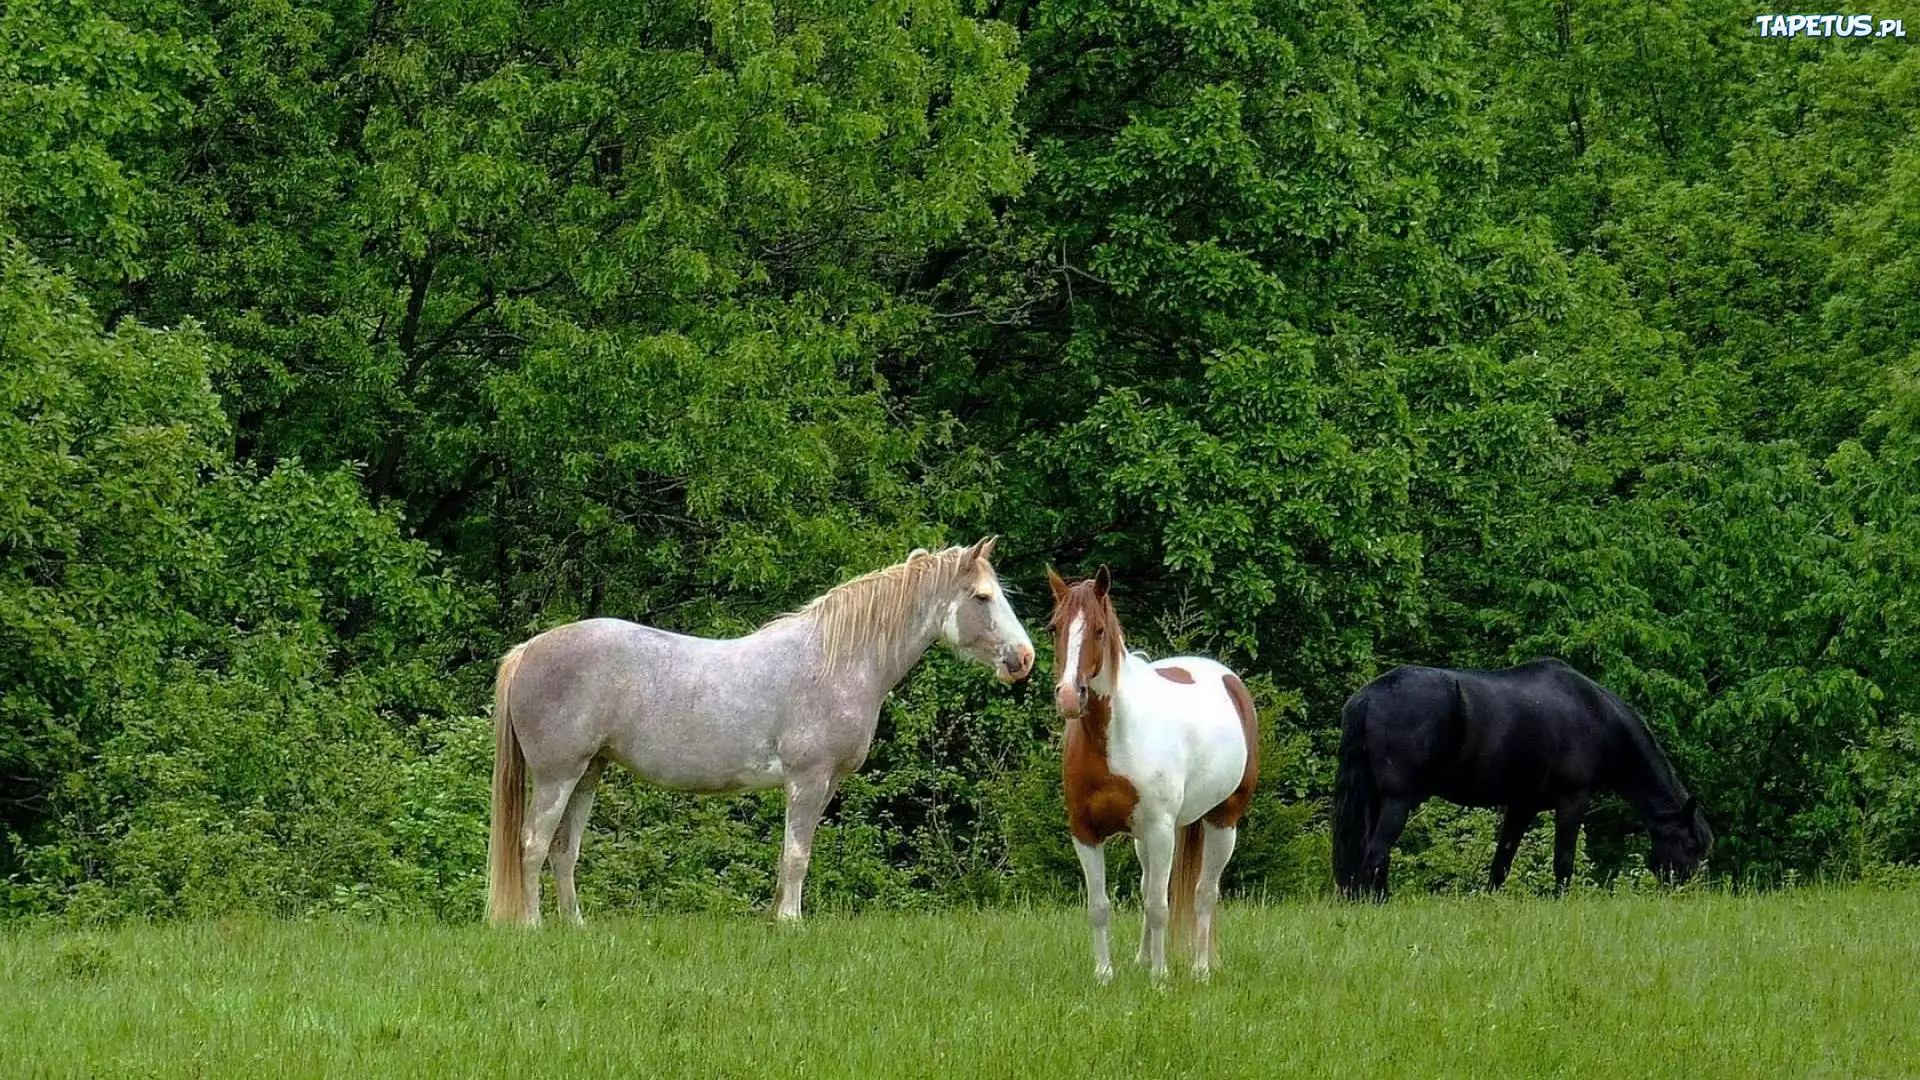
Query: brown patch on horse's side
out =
(1228, 813)
(1175, 674)
(1099, 801)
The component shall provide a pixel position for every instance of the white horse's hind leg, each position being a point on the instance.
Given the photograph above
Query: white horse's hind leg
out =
(567, 841)
(1213, 862)
(1093, 866)
(544, 811)
(1156, 853)
(806, 800)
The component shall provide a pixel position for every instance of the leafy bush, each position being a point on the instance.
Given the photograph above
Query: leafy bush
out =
(219, 687)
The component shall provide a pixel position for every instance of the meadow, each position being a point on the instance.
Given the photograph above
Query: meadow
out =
(1807, 982)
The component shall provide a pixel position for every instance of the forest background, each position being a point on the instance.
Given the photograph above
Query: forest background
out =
(345, 343)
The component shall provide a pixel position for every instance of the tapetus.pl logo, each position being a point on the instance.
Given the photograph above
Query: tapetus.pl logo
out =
(1859, 26)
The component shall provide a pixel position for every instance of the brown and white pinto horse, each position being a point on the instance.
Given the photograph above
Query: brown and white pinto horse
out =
(1165, 751)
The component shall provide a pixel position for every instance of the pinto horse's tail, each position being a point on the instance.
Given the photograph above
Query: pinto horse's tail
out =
(506, 881)
(1189, 852)
(1353, 798)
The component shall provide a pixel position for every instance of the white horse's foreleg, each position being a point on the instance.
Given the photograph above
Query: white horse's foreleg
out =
(1156, 852)
(567, 841)
(544, 811)
(1213, 862)
(806, 800)
(1093, 866)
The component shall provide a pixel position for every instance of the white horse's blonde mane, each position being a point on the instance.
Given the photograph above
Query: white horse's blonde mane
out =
(873, 610)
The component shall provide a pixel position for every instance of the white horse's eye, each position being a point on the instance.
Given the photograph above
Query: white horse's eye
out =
(983, 597)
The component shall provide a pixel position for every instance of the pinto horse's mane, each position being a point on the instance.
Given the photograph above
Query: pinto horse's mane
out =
(872, 612)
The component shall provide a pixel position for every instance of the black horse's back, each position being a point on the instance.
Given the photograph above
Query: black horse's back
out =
(1488, 737)
(1535, 737)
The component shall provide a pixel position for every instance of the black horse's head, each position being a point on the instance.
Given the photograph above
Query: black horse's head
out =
(1681, 840)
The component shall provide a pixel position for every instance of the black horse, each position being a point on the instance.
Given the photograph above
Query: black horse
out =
(1536, 737)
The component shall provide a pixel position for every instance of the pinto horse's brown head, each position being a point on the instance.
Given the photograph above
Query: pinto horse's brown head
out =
(1087, 641)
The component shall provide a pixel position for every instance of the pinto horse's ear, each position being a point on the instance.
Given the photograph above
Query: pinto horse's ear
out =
(1102, 581)
(1058, 585)
(983, 550)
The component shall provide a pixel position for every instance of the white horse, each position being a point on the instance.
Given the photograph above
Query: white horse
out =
(1166, 751)
(792, 705)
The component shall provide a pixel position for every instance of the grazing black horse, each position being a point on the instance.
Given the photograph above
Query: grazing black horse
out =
(1536, 737)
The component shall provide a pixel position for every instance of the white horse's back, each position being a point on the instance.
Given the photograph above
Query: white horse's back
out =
(687, 713)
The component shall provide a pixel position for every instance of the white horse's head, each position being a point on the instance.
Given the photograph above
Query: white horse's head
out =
(980, 625)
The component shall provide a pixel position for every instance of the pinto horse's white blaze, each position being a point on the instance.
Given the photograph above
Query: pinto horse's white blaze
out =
(1066, 690)
(1164, 751)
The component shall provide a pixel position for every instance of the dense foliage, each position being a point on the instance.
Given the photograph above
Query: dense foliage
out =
(344, 343)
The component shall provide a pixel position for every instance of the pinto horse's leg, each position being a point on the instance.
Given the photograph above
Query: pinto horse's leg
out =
(566, 842)
(1093, 867)
(1140, 955)
(1566, 834)
(1513, 828)
(1386, 832)
(806, 800)
(1156, 851)
(1219, 848)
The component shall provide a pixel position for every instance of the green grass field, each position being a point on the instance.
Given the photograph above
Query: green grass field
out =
(1804, 983)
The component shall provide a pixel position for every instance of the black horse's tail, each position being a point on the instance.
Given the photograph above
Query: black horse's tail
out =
(1353, 798)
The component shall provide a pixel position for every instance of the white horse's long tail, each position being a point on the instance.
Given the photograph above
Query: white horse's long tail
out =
(506, 884)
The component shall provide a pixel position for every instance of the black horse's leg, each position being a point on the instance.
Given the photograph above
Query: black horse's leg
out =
(1512, 829)
(1386, 831)
(1566, 833)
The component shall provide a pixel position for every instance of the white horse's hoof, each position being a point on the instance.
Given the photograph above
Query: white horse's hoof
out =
(1103, 975)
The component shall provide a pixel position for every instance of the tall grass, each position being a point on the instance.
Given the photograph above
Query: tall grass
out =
(1802, 983)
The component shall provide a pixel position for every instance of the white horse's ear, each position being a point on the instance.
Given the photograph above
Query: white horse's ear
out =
(983, 550)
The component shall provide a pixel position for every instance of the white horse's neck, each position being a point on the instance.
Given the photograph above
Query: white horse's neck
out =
(892, 665)
(877, 669)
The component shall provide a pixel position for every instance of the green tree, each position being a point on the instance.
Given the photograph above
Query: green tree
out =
(593, 292)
